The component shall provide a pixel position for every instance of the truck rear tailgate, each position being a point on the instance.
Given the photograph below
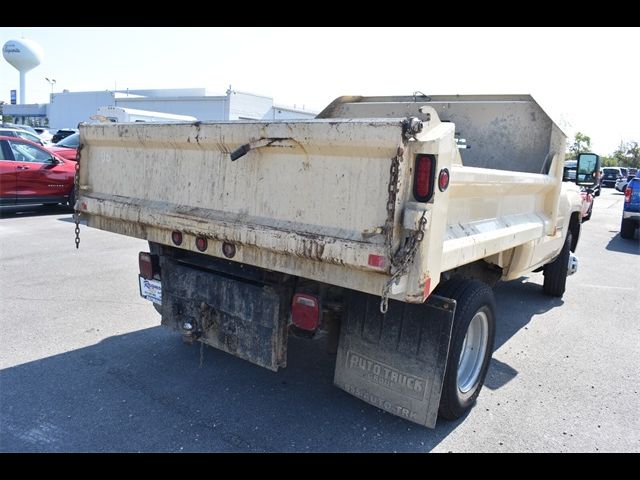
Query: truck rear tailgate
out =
(318, 190)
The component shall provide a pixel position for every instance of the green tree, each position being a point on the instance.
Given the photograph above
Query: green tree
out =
(627, 155)
(581, 143)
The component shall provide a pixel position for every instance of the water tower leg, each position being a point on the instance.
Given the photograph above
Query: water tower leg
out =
(22, 82)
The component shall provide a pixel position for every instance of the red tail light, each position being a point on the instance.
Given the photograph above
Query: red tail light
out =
(176, 237)
(201, 243)
(149, 265)
(443, 179)
(423, 177)
(627, 195)
(305, 311)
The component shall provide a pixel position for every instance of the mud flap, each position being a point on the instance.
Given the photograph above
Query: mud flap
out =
(242, 318)
(396, 361)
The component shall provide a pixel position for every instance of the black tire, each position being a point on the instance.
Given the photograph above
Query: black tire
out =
(597, 192)
(472, 297)
(71, 202)
(627, 228)
(555, 273)
(588, 215)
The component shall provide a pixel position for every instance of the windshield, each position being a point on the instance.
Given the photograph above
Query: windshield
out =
(72, 141)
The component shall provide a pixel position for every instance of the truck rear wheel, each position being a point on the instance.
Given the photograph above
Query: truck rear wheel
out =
(627, 228)
(71, 202)
(555, 273)
(471, 345)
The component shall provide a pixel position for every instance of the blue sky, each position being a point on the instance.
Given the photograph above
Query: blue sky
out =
(586, 79)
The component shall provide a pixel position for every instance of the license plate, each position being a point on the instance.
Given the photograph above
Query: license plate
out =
(151, 290)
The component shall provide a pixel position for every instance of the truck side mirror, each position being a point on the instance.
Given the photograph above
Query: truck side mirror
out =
(587, 168)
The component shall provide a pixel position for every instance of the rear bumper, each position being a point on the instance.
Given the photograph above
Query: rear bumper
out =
(635, 216)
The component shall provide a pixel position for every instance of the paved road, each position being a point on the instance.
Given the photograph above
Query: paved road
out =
(84, 365)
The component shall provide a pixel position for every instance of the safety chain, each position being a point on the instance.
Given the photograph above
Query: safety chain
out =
(402, 260)
(391, 200)
(76, 183)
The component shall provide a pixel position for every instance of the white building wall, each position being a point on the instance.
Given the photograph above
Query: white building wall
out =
(281, 113)
(68, 109)
(248, 106)
(203, 108)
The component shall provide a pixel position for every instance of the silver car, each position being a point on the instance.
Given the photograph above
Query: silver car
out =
(622, 183)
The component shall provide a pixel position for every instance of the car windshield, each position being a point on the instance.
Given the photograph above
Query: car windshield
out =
(72, 141)
(18, 126)
(610, 171)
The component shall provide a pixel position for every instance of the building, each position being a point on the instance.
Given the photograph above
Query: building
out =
(67, 109)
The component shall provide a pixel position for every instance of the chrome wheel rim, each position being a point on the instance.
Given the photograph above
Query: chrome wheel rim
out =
(474, 348)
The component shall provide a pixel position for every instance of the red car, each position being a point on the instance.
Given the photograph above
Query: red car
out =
(29, 173)
(67, 148)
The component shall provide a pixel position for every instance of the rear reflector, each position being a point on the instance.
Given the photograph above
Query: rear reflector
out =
(176, 237)
(376, 260)
(423, 177)
(427, 288)
(229, 249)
(149, 265)
(443, 179)
(201, 243)
(305, 311)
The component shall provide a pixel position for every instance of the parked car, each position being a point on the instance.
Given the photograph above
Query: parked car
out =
(14, 132)
(44, 134)
(621, 184)
(67, 148)
(19, 126)
(30, 174)
(610, 176)
(63, 133)
(570, 176)
(631, 209)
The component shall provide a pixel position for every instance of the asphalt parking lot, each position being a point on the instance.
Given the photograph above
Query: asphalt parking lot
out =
(85, 366)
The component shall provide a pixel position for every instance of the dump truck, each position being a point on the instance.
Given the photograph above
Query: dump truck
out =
(380, 226)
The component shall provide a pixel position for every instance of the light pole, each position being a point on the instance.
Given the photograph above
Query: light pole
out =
(52, 82)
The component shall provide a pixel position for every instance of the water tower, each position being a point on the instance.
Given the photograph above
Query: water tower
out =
(23, 55)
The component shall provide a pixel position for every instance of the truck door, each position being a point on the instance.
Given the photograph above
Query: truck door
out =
(7, 174)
